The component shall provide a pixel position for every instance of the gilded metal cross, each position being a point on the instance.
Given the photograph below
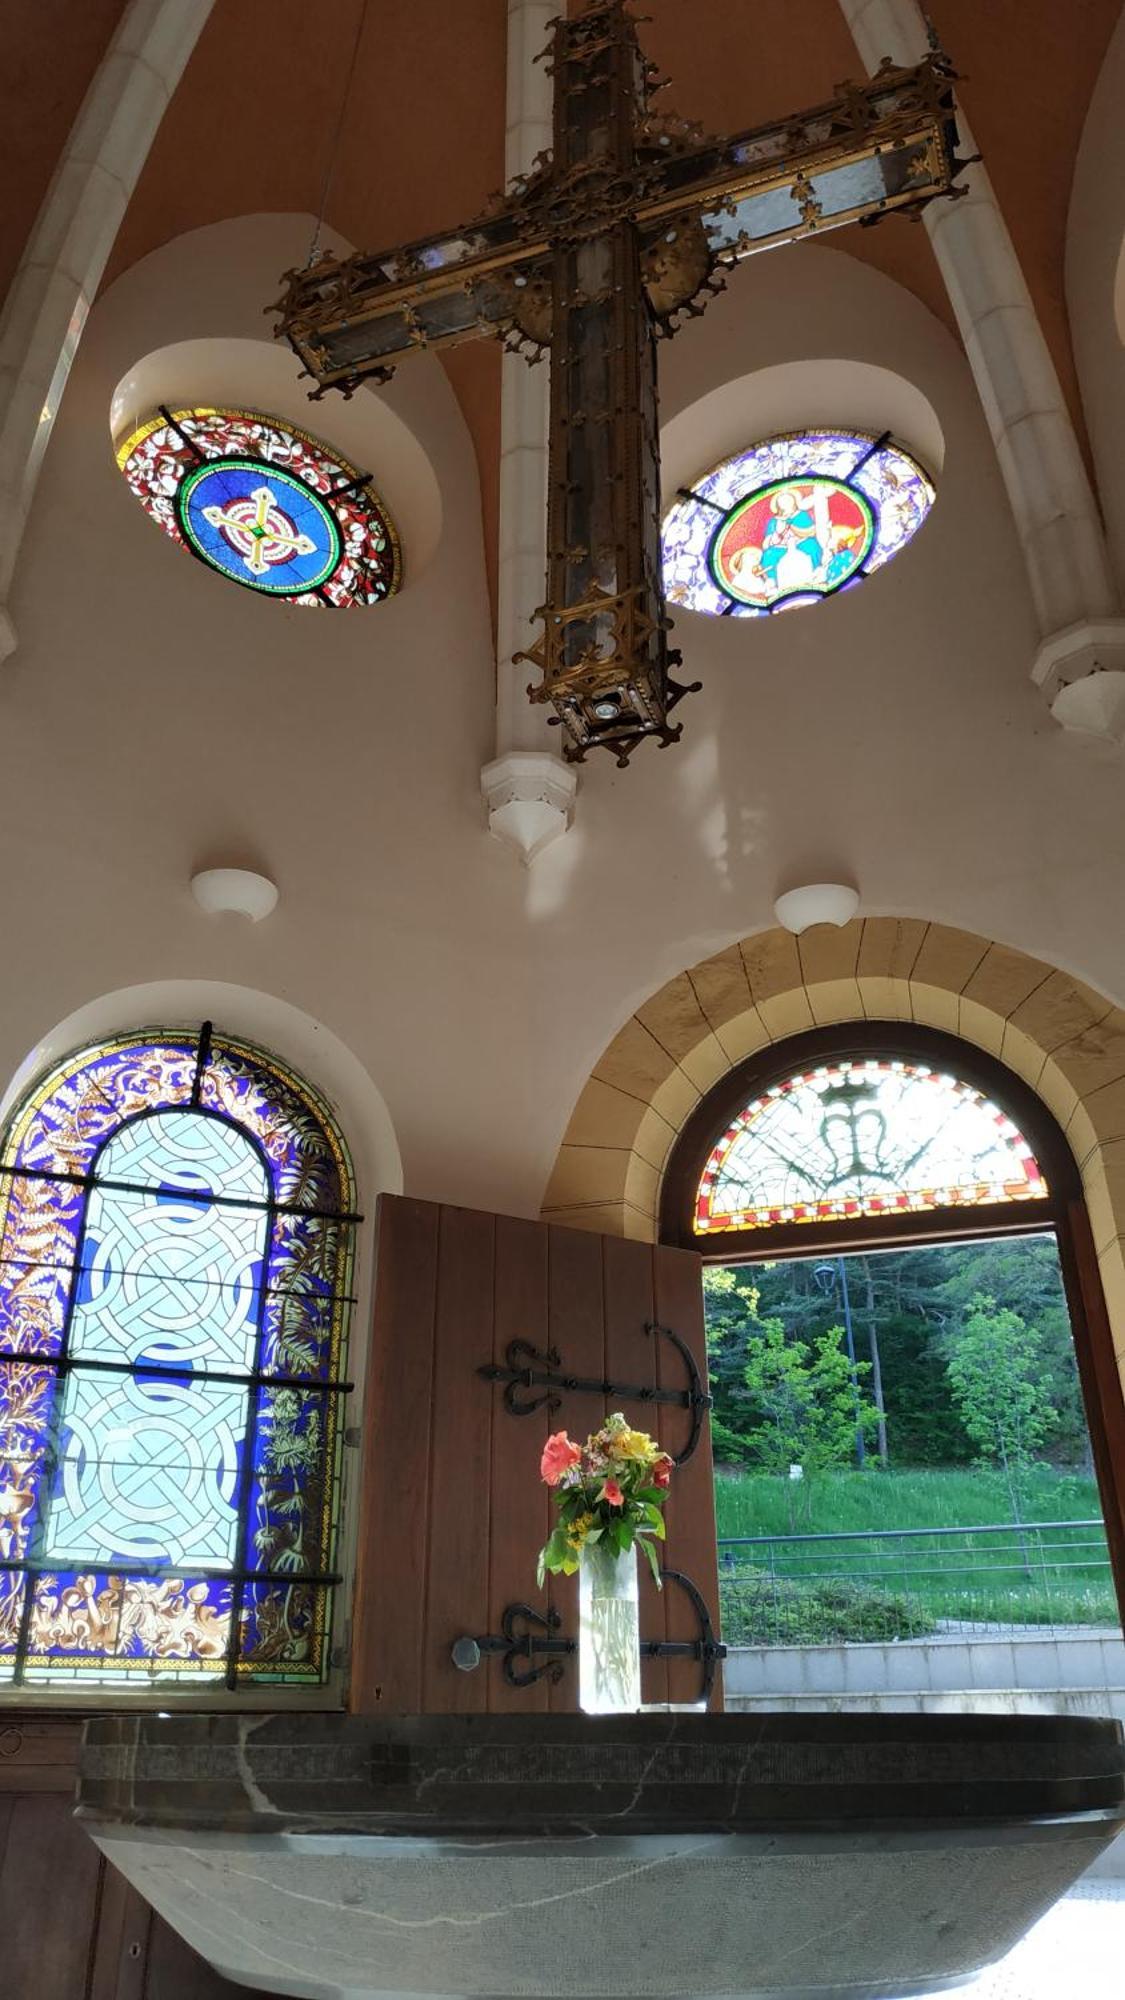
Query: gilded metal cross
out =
(616, 235)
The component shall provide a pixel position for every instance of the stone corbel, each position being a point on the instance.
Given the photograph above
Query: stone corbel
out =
(530, 798)
(1082, 675)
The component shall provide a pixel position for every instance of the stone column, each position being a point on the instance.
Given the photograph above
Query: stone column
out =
(57, 280)
(1080, 662)
(529, 790)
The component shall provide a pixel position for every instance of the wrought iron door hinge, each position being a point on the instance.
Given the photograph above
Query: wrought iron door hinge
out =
(519, 1640)
(529, 1368)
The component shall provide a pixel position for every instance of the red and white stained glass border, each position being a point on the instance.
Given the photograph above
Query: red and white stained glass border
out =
(157, 455)
(735, 1190)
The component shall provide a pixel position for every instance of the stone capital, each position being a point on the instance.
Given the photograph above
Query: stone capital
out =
(530, 798)
(1081, 672)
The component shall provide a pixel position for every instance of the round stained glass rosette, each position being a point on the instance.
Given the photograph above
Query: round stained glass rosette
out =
(265, 505)
(791, 520)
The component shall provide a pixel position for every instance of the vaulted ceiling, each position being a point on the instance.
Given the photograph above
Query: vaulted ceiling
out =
(416, 91)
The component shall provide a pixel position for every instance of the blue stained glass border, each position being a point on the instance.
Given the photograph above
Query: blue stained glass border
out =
(61, 1129)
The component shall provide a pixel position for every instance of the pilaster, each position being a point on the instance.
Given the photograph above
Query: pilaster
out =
(46, 310)
(1077, 608)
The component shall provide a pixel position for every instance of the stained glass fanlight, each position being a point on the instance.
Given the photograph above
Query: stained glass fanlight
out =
(264, 504)
(863, 1138)
(176, 1219)
(791, 520)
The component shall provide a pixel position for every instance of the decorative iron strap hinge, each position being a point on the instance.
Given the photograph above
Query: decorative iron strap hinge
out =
(517, 1640)
(529, 1369)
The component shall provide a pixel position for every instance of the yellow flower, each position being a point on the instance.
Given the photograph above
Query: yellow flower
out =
(579, 1529)
(634, 1444)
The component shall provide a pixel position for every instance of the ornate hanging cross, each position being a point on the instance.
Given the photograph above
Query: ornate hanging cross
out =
(623, 229)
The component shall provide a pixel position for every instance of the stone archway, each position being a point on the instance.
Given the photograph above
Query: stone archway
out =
(1063, 1038)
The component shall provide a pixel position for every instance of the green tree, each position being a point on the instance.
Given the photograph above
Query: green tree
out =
(996, 1374)
(803, 1405)
(779, 1401)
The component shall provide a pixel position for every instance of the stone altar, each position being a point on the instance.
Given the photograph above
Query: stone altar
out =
(821, 1857)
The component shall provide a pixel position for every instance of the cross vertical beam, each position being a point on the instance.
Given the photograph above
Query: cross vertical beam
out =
(603, 653)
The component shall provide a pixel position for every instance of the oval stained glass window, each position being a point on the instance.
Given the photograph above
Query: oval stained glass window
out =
(264, 504)
(864, 1137)
(791, 520)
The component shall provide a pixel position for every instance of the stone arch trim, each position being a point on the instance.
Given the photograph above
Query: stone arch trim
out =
(1064, 1039)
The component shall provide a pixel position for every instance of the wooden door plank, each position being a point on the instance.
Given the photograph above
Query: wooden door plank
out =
(460, 1458)
(690, 1510)
(38, 1755)
(576, 1318)
(630, 1356)
(48, 1900)
(121, 1944)
(388, 1617)
(521, 1510)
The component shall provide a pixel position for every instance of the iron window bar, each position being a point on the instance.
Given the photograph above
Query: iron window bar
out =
(203, 1196)
(157, 1278)
(165, 1572)
(64, 1364)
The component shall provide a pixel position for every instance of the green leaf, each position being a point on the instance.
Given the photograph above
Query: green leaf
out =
(653, 1564)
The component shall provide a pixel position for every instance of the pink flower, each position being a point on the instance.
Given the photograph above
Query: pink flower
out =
(611, 1491)
(558, 1455)
(662, 1470)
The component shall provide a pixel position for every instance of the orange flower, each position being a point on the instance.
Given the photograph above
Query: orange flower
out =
(662, 1470)
(611, 1491)
(558, 1454)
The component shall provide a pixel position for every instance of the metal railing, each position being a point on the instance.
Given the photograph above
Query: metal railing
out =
(912, 1583)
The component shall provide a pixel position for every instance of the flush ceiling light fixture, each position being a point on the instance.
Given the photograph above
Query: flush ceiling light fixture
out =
(816, 903)
(234, 890)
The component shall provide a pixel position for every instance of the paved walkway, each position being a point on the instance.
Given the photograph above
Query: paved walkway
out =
(1075, 1952)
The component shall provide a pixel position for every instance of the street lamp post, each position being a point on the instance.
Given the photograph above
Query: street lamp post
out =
(828, 1276)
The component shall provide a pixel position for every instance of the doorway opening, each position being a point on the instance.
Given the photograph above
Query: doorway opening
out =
(903, 1460)
(915, 1393)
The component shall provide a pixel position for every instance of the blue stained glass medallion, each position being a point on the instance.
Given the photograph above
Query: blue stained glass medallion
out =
(259, 525)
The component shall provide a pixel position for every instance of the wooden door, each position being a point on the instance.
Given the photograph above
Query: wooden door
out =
(453, 1508)
(71, 1927)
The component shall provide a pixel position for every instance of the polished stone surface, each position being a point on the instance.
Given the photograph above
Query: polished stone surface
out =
(837, 1857)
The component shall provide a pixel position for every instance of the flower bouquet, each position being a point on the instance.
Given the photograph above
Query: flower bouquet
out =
(609, 1493)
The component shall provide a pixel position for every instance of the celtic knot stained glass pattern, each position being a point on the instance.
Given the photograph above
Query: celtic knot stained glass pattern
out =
(264, 504)
(863, 1138)
(175, 1248)
(790, 521)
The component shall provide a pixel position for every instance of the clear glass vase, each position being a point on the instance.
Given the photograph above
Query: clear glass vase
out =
(609, 1639)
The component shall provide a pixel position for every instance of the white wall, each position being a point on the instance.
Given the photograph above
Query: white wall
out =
(156, 719)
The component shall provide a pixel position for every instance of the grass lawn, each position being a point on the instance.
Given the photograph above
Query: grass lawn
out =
(867, 1589)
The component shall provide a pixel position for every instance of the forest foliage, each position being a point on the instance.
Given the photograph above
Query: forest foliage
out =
(974, 1348)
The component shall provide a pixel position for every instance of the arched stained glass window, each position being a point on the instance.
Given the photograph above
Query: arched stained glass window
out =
(863, 1138)
(176, 1218)
(264, 504)
(791, 520)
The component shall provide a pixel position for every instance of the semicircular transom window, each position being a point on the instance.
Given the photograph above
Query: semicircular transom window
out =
(175, 1250)
(791, 520)
(266, 505)
(863, 1137)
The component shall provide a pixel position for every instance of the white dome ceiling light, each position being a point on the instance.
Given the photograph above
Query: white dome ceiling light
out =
(816, 903)
(234, 890)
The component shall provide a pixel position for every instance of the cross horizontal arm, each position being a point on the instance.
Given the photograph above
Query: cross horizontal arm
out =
(877, 146)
